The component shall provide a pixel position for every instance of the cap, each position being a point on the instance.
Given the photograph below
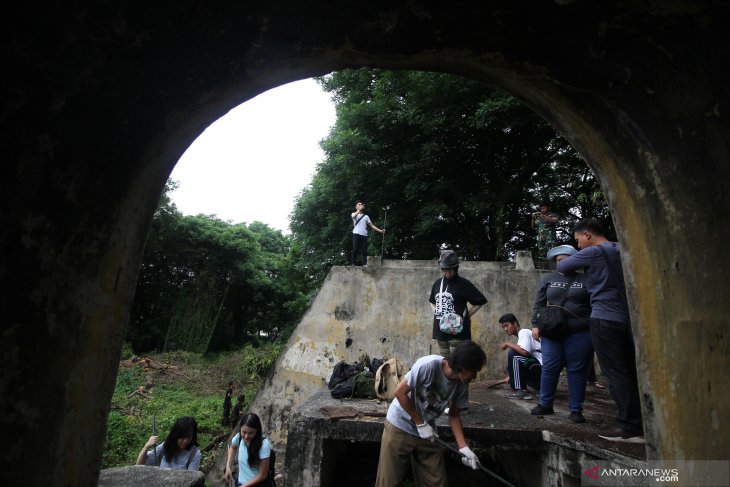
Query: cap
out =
(448, 259)
(561, 250)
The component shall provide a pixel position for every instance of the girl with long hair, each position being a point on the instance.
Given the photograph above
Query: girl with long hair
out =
(179, 451)
(254, 452)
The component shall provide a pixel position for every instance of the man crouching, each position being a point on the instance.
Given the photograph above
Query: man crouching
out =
(433, 384)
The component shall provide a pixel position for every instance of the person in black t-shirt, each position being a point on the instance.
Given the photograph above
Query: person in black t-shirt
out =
(452, 294)
(237, 410)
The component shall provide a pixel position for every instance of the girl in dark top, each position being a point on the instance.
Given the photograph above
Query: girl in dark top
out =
(573, 349)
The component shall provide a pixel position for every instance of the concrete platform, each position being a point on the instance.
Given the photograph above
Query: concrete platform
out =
(524, 449)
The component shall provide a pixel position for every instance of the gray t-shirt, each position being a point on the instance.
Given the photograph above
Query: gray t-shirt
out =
(184, 460)
(431, 393)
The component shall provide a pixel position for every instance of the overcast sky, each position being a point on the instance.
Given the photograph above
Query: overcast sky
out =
(250, 164)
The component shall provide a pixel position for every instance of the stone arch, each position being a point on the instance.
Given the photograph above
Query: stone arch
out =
(102, 101)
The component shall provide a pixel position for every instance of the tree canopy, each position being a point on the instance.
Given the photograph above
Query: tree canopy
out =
(206, 284)
(454, 163)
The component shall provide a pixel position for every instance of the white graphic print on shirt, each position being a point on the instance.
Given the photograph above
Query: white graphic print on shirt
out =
(444, 303)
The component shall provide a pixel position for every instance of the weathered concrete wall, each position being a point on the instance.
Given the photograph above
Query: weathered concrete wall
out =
(384, 310)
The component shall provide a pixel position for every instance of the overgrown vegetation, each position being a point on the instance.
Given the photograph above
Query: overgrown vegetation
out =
(194, 384)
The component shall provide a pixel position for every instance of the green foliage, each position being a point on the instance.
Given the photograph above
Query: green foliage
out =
(196, 389)
(208, 285)
(127, 351)
(454, 162)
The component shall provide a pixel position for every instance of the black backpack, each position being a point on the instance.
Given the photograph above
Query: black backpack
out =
(340, 383)
(270, 482)
(342, 372)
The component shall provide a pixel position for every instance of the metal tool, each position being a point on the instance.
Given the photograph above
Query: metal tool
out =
(154, 433)
(486, 470)
(382, 247)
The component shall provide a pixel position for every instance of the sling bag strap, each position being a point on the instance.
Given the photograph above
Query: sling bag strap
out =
(565, 294)
(441, 295)
(565, 298)
(190, 457)
(356, 221)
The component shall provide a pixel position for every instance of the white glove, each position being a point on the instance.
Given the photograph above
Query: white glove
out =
(426, 432)
(469, 459)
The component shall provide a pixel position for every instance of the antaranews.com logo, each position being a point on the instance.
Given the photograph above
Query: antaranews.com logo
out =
(641, 475)
(684, 473)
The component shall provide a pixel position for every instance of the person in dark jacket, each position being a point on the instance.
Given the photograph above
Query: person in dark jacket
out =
(237, 410)
(572, 349)
(611, 330)
(227, 404)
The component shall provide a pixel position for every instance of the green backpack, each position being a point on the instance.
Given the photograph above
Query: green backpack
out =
(363, 385)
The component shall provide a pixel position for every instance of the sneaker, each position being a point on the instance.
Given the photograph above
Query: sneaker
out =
(541, 410)
(521, 394)
(577, 417)
(624, 436)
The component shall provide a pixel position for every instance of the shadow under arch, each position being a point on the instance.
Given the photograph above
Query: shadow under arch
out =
(105, 99)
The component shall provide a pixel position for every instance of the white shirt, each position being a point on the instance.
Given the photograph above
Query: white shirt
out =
(529, 344)
(362, 225)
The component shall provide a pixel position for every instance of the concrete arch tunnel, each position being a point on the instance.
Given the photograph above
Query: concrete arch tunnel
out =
(102, 100)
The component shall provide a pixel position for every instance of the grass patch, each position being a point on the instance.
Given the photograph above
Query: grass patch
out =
(194, 385)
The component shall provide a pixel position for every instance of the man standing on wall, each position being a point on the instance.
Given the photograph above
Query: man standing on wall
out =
(432, 384)
(361, 222)
(544, 223)
(611, 332)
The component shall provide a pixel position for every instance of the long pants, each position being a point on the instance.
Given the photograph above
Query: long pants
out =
(523, 371)
(575, 353)
(359, 246)
(614, 344)
(400, 450)
(447, 346)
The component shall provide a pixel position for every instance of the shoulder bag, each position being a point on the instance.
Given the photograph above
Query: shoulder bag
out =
(551, 321)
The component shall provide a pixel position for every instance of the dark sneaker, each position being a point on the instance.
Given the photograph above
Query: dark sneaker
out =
(623, 436)
(541, 410)
(521, 394)
(577, 417)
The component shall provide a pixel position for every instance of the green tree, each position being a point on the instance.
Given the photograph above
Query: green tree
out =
(206, 284)
(455, 162)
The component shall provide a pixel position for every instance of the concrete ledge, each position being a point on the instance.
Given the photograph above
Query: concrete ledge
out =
(137, 475)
